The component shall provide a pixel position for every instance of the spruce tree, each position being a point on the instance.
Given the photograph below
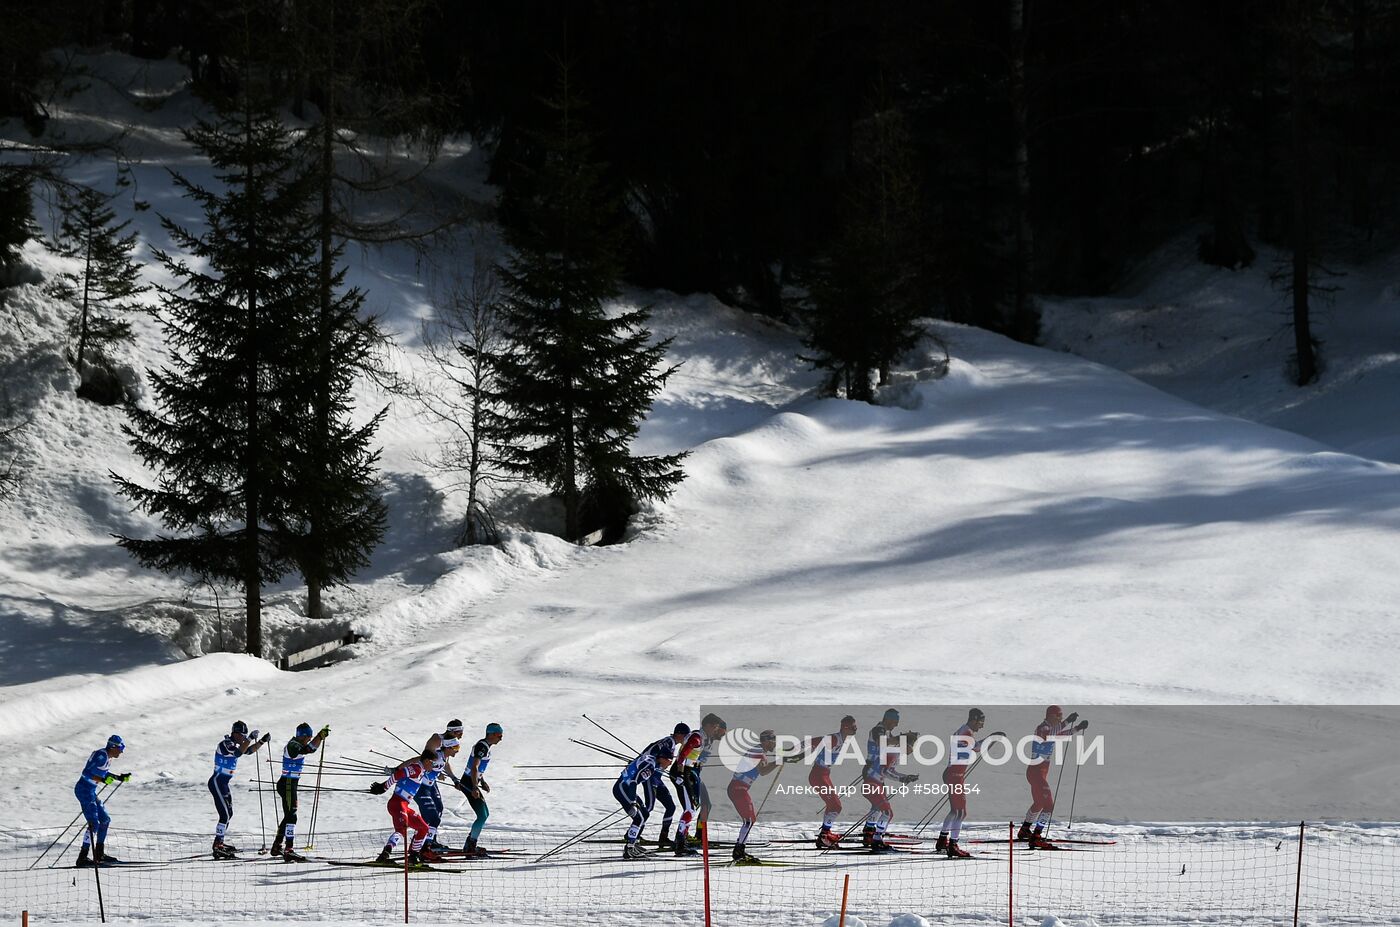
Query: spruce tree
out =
(229, 405)
(108, 280)
(335, 514)
(573, 383)
(16, 218)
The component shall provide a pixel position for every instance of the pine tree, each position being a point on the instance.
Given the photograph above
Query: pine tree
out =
(16, 218)
(335, 514)
(107, 283)
(359, 57)
(574, 383)
(230, 403)
(863, 291)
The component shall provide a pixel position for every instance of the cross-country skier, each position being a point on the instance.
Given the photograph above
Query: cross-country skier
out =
(758, 761)
(654, 789)
(293, 758)
(406, 779)
(96, 773)
(644, 767)
(965, 747)
(685, 777)
(882, 752)
(1038, 774)
(236, 744)
(444, 747)
(825, 752)
(474, 783)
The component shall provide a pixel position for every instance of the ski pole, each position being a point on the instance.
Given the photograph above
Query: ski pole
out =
(316, 797)
(1075, 790)
(400, 739)
(928, 819)
(40, 857)
(594, 828)
(262, 811)
(1054, 795)
(97, 877)
(604, 750)
(610, 733)
(110, 795)
(569, 779)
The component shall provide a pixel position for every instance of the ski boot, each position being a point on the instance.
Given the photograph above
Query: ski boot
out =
(428, 856)
(665, 843)
(1024, 834)
(83, 859)
(956, 852)
(867, 838)
(686, 848)
(415, 859)
(742, 857)
(292, 856)
(101, 855)
(1037, 842)
(827, 840)
(224, 851)
(276, 849)
(386, 855)
(942, 842)
(632, 851)
(878, 845)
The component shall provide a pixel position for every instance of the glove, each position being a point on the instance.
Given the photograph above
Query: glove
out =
(795, 758)
(324, 732)
(913, 777)
(485, 786)
(265, 738)
(254, 736)
(1082, 725)
(378, 788)
(1073, 717)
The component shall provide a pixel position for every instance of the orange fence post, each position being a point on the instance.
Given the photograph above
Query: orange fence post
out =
(845, 891)
(1011, 874)
(1298, 887)
(705, 849)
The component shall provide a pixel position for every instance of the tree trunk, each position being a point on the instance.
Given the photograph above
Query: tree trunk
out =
(252, 475)
(1024, 324)
(1302, 331)
(83, 322)
(320, 462)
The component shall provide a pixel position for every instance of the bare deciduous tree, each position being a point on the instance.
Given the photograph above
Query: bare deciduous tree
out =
(462, 342)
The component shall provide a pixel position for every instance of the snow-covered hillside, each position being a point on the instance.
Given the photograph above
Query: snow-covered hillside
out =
(1035, 527)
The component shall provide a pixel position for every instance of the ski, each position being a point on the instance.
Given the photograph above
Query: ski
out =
(1075, 840)
(372, 864)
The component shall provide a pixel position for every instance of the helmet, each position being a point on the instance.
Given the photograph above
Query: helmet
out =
(891, 714)
(767, 735)
(976, 714)
(712, 718)
(304, 729)
(116, 741)
(494, 728)
(240, 728)
(682, 730)
(455, 726)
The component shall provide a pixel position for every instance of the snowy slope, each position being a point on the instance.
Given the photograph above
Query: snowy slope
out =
(1037, 527)
(1222, 338)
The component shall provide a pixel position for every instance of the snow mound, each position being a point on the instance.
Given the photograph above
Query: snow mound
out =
(908, 920)
(851, 921)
